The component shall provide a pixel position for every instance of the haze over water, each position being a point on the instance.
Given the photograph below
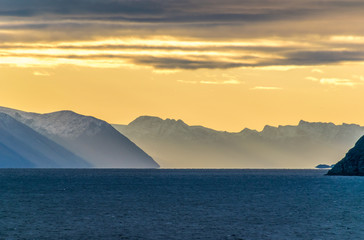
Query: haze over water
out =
(179, 204)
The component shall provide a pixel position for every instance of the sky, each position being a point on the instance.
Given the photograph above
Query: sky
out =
(226, 64)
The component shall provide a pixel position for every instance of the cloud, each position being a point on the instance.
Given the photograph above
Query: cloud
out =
(165, 72)
(188, 82)
(266, 88)
(167, 55)
(42, 74)
(184, 18)
(311, 58)
(185, 63)
(337, 82)
(181, 35)
(183, 10)
(231, 81)
(209, 82)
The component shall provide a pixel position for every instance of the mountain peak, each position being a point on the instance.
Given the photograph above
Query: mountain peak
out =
(268, 128)
(63, 112)
(148, 121)
(67, 124)
(303, 122)
(248, 132)
(144, 119)
(177, 122)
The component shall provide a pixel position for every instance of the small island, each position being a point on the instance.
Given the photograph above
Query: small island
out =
(321, 166)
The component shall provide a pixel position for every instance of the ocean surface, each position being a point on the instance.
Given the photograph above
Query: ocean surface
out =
(179, 204)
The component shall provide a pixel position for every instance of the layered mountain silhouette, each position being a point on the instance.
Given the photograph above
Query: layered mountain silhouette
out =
(65, 139)
(70, 140)
(174, 144)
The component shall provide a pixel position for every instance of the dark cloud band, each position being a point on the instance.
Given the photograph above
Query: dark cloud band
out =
(308, 22)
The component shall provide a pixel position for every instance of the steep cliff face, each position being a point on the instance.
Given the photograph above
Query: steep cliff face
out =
(353, 163)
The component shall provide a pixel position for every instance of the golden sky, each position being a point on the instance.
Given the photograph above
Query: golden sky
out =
(225, 65)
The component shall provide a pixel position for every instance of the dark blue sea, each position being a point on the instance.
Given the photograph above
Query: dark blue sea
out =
(180, 204)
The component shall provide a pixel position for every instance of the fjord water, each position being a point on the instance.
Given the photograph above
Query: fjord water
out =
(179, 204)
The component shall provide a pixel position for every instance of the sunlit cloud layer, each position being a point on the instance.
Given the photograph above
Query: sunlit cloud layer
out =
(337, 81)
(174, 35)
(356, 80)
(42, 74)
(177, 54)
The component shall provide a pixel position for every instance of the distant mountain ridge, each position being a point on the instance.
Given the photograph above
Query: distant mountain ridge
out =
(94, 141)
(173, 143)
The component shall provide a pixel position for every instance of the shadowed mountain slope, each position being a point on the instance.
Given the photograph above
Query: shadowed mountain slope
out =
(22, 147)
(11, 159)
(94, 140)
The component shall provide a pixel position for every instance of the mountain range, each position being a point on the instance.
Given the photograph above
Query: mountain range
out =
(65, 139)
(174, 144)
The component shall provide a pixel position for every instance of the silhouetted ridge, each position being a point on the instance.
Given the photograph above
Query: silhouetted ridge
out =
(353, 162)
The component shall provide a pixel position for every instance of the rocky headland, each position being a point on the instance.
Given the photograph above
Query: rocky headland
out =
(353, 162)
